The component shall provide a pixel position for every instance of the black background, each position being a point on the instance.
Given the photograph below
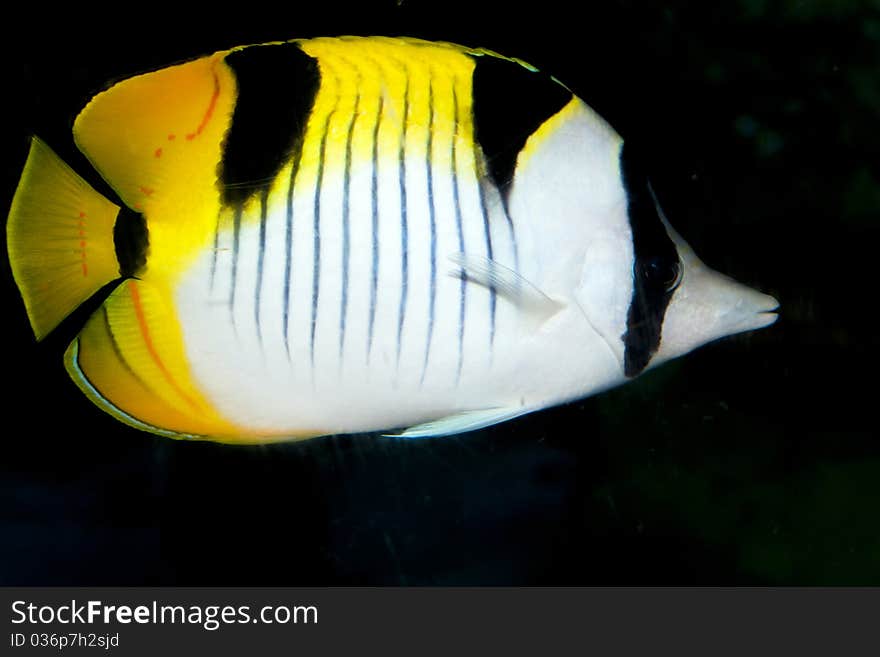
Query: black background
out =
(750, 461)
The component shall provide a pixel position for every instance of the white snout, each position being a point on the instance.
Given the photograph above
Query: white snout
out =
(709, 305)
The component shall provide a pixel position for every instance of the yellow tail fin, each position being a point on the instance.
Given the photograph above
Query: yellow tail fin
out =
(60, 239)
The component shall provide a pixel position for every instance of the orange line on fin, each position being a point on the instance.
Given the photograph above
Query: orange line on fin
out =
(209, 111)
(82, 243)
(142, 322)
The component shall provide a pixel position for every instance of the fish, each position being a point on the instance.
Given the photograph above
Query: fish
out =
(343, 235)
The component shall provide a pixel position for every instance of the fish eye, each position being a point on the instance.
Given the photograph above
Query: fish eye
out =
(663, 273)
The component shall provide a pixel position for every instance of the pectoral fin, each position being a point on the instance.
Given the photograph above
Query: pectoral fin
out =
(508, 284)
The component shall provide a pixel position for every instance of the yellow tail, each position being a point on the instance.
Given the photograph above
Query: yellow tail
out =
(60, 239)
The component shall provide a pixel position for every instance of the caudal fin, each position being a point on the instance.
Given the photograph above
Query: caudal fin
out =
(60, 239)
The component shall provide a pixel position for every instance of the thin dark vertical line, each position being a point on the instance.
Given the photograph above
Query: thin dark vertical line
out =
(346, 231)
(316, 266)
(216, 248)
(512, 239)
(458, 224)
(374, 194)
(236, 231)
(492, 292)
(429, 173)
(404, 237)
(260, 256)
(288, 243)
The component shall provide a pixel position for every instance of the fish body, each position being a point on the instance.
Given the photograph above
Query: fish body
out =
(357, 234)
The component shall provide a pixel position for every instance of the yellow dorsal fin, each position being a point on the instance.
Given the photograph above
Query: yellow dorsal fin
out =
(157, 138)
(60, 239)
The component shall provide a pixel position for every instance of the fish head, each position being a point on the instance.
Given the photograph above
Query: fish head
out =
(706, 305)
(678, 303)
(646, 292)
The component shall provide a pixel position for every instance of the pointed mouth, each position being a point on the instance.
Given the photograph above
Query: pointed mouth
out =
(751, 312)
(768, 314)
(772, 308)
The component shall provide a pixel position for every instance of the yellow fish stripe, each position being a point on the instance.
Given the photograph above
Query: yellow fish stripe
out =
(413, 88)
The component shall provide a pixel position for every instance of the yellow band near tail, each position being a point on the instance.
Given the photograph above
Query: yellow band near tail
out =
(129, 360)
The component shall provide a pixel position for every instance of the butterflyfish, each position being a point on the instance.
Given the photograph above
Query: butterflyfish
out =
(345, 235)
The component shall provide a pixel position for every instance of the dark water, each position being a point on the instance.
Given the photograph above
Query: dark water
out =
(751, 461)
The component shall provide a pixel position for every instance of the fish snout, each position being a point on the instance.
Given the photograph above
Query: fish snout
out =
(708, 306)
(741, 308)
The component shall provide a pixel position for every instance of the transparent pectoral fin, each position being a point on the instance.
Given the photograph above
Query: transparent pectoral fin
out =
(536, 305)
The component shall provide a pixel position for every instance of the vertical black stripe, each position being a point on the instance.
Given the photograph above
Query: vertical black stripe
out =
(655, 266)
(404, 237)
(260, 256)
(458, 224)
(513, 243)
(346, 231)
(485, 213)
(316, 266)
(374, 195)
(236, 231)
(268, 118)
(429, 173)
(216, 249)
(288, 244)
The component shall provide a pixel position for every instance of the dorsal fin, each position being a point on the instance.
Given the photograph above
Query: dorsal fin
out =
(511, 101)
(157, 138)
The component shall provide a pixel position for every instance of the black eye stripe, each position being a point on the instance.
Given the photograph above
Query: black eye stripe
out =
(655, 268)
(663, 273)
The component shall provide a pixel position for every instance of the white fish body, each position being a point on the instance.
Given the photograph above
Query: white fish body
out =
(395, 264)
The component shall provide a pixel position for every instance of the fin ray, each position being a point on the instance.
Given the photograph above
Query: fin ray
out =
(507, 283)
(60, 239)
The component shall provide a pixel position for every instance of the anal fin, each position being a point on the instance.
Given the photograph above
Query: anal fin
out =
(129, 360)
(462, 422)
